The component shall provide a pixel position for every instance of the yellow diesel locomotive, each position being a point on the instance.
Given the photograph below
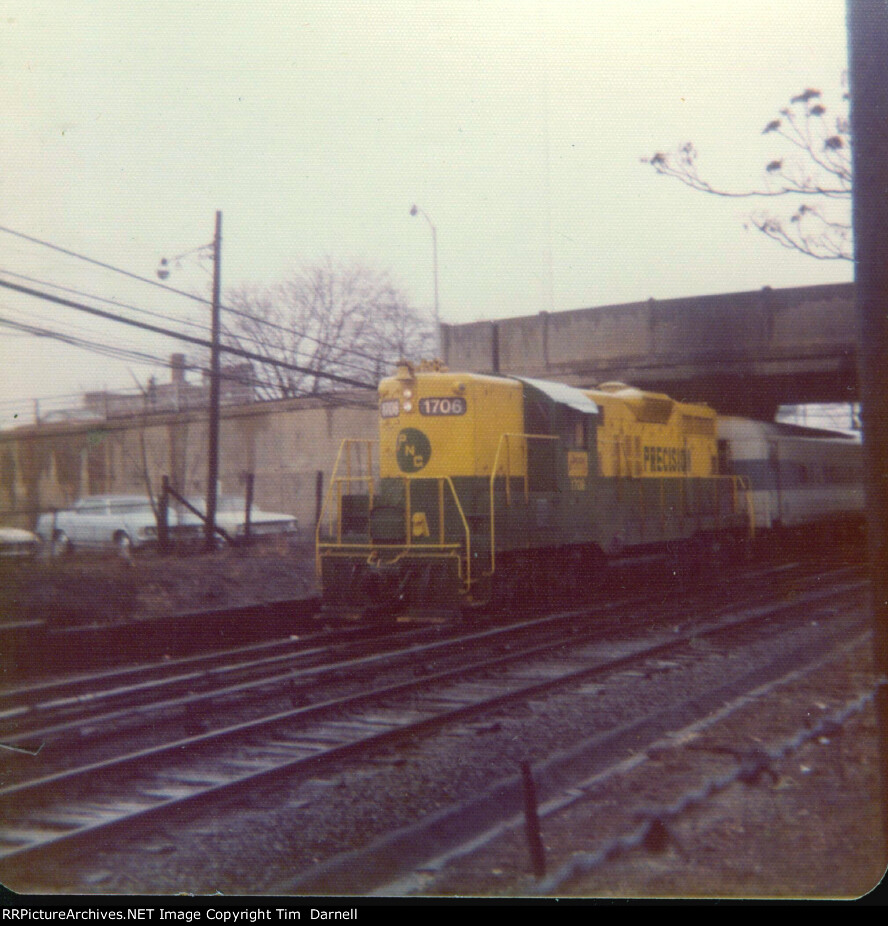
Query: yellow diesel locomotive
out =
(488, 488)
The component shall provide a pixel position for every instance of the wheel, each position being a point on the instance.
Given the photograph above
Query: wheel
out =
(123, 544)
(61, 544)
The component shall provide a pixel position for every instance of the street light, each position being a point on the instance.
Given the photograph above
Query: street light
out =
(213, 437)
(163, 270)
(415, 210)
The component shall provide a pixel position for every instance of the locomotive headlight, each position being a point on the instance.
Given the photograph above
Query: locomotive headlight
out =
(408, 406)
(408, 394)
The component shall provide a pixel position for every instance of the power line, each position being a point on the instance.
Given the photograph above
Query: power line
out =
(28, 329)
(121, 305)
(98, 263)
(146, 326)
(171, 289)
(202, 327)
(124, 353)
(237, 339)
(270, 324)
(75, 341)
(97, 347)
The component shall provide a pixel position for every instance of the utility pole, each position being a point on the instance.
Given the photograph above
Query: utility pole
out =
(868, 54)
(415, 210)
(213, 450)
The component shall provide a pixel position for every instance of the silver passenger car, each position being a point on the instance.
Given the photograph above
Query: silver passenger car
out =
(799, 476)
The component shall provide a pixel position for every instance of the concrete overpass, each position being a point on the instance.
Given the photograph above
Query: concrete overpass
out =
(742, 353)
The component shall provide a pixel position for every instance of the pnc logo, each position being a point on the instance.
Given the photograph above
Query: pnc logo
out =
(412, 450)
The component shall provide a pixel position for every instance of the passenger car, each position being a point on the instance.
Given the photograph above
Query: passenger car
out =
(799, 476)
(126, 522)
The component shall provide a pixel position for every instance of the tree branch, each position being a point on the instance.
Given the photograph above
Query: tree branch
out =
(824, 172)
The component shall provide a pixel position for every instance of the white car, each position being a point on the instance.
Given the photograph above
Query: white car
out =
(231, 517)
(126, 522)
(15, 542)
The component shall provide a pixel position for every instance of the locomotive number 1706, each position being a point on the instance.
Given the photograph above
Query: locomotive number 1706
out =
(445, 405)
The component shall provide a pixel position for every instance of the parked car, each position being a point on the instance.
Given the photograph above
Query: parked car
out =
(231, 517)
(126, 522)
(15, 542)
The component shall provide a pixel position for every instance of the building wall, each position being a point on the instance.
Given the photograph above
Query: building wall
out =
(284, 444)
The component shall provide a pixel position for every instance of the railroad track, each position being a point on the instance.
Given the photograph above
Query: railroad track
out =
(61, 645)
(510, 665)
(397, 862)
(31, 713)
(41, 713)
(602, 798)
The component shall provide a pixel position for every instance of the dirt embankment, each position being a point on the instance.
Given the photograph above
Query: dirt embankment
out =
(104, 589)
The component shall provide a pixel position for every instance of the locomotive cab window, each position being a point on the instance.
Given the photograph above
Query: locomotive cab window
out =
(581, 433)
(572, 428)
(540, 453)
(536, 417)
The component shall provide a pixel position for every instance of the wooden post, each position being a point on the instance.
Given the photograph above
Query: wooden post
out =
(868, 67)
(163, 509)
(213, 449)
(532, 822)
(319, 495)
(248, 507)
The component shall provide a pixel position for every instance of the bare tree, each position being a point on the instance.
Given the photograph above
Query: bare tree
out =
(329, 317)
(817, 168)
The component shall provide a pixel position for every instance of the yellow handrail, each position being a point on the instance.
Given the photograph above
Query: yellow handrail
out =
(408, 513)
(336, 480)
(465, 523)
(408, 523)
(738, 484)
(504, 440)
(409, 547)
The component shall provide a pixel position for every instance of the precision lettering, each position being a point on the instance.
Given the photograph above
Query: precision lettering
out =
(666, 460)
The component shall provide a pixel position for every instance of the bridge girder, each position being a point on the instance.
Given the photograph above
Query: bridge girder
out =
(741, 353)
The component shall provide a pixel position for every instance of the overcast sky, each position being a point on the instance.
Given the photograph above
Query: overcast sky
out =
(518, 127)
